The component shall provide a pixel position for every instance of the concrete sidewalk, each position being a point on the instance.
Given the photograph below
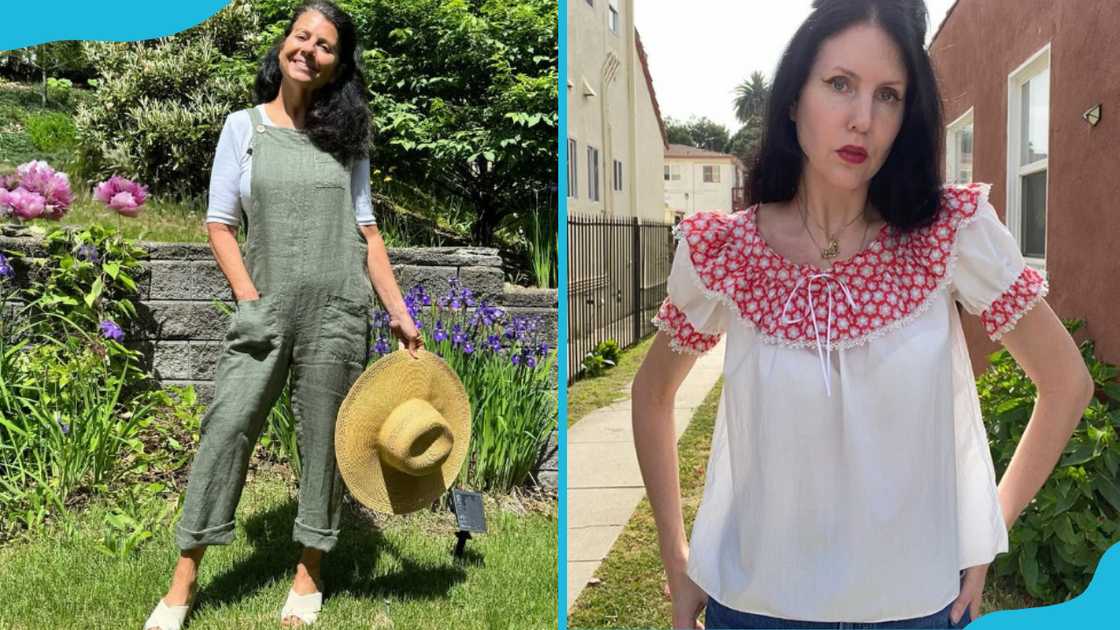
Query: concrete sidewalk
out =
(604, 481)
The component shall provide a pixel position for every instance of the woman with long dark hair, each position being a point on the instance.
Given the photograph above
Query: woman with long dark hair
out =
(850, 479)
(295, 170)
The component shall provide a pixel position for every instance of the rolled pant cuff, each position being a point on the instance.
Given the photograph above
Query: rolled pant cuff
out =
(218, 535)
(322, 539)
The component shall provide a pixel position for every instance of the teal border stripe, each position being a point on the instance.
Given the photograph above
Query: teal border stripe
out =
(30, 23)
(562, 299)
(1090, 609)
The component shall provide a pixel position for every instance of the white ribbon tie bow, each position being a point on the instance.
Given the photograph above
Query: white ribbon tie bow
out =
(827, 280)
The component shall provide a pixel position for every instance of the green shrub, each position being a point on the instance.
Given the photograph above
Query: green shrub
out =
(1059, 538)
(71, 405)
(158, 107)
(50, 131)
(15, 147)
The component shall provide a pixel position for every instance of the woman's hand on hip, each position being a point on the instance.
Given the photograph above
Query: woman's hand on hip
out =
(972, 592)
(688, 600)
(404, 329)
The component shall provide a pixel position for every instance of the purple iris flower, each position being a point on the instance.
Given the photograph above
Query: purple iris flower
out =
(110, 330)
(515, 359)
(382, 346)
(5, 268)
(494, 342)
(439, 334)
(468, 348)
(542, 349)
(457, 335)
(380, 319)
(88, 253)
(531, 361)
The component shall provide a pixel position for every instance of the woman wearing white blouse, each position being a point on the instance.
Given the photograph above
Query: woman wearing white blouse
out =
(850, 479)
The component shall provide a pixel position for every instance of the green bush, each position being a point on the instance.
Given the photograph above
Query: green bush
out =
(50, 131)
(1059, 538)
(158, 107)
(16, 148)
(71, 405)
(601, 359)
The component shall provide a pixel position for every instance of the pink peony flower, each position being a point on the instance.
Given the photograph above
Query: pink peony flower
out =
(23, 203)
(52, 186)
(123, 195)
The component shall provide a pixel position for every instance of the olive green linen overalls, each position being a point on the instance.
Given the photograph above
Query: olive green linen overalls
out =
(307, 259)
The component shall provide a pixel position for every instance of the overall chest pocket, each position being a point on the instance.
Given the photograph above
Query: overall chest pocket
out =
(344, 329)
(328, 172)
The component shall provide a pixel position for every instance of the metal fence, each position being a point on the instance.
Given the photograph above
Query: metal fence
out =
(617, 270)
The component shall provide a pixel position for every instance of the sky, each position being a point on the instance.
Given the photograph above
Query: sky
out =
(700, 50)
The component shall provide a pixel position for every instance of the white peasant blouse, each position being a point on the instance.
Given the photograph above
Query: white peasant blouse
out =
(850, 477)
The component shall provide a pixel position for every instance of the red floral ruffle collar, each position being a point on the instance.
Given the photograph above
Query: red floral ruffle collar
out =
(881, 288)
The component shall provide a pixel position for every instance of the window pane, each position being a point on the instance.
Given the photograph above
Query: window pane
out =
(962, 151)
(573, 159)
(1035, 112)
(1034, 214)
(667, 172)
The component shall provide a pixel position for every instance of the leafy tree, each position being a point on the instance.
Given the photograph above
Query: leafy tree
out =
(54, 58)
(702, 133)
(745, 143)
(463, 95)
(750, 97)
(159, 105)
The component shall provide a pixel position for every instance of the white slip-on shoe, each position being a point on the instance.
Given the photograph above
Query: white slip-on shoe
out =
(304, 607)
(166, 617)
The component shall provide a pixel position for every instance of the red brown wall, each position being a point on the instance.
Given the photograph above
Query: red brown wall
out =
(980, 43)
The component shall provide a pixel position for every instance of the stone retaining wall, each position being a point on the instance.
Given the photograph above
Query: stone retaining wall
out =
(181, 322)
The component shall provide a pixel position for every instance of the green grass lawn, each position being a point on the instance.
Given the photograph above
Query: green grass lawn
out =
(590, 393)
(397, 572)
(631, 592)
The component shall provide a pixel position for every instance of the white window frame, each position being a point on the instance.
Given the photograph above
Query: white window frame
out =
(1034, 65)
(573, 169)
(952, 160)
(617, 175)
(614, 16)
(673, 172)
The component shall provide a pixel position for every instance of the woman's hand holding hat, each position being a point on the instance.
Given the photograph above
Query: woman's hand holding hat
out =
(404, 328)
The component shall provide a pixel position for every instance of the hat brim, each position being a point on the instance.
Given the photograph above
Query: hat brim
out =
(391, 380)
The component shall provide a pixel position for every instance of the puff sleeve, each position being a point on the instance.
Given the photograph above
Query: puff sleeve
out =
(990, 278)
(693, 317)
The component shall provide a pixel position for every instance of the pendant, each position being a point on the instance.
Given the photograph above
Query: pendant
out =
(832, 249)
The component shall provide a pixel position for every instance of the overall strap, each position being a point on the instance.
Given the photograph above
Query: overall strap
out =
(255, 116)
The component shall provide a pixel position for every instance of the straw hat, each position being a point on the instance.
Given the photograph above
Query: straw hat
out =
(403, 432)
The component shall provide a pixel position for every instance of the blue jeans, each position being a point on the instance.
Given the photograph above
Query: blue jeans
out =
(719, 616)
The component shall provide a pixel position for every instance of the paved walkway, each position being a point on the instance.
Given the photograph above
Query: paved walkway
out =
(604, 481)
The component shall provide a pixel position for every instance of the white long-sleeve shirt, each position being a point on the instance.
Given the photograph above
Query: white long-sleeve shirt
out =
(230, 177)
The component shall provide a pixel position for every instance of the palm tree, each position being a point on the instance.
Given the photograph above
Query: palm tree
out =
(751, 96)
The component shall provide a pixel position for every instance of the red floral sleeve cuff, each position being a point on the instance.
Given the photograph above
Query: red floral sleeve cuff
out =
(682, 336)
(1002, 315)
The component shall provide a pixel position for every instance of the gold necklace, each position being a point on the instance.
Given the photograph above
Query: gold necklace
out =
(863, 241)
(833, 249)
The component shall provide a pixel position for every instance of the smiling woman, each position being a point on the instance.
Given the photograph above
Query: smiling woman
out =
(294, 172)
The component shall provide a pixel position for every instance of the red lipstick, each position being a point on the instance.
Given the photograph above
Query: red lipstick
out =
(852, 153)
